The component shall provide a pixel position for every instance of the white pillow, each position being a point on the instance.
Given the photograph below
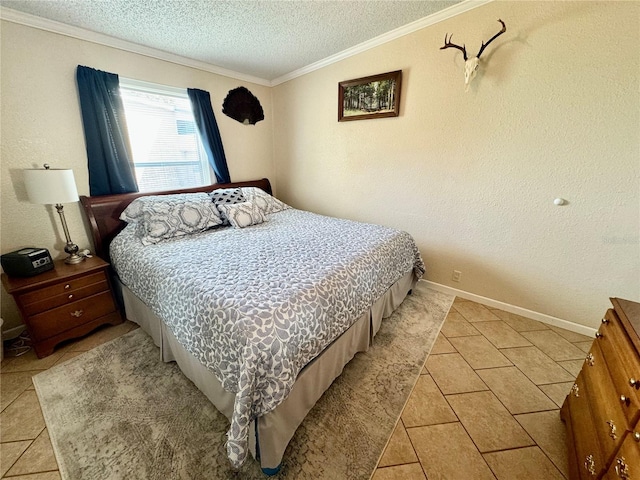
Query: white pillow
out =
(266, 202)
(241, 215)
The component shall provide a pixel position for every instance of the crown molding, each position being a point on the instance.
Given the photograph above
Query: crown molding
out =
(427, 21)
(53, 26)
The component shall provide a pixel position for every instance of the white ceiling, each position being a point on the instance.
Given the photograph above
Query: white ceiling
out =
(265, 39)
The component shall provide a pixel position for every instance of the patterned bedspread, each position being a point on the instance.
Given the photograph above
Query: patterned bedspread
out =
(256, 304)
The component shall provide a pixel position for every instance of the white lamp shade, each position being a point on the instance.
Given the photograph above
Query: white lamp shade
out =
(50, 186)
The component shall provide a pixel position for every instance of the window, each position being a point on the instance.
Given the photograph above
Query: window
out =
(166, 148)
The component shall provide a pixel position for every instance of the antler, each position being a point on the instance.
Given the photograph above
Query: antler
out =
(448, 44)
(504, 29)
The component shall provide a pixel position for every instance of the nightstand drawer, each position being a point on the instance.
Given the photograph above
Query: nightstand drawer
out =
(56, 321)
(65, 298)
(62, 287)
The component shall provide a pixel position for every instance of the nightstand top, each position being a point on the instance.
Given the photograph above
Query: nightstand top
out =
(60, 272)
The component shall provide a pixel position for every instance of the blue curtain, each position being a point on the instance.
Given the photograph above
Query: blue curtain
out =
(209, 133)
(111, 169)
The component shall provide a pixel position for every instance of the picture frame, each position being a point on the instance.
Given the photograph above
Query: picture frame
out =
(376, 96)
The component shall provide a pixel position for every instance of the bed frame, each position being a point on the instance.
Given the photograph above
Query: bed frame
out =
(273, 431)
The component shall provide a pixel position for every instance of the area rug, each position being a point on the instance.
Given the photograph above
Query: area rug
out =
(118, 412)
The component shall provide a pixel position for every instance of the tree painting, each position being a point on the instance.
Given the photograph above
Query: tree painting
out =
(370, 97)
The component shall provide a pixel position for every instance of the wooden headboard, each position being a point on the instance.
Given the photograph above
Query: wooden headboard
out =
(103, 212)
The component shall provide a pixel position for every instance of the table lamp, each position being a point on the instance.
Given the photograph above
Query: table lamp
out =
(54, 187)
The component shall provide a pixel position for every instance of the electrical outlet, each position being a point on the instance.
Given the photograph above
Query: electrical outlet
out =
(456, 275)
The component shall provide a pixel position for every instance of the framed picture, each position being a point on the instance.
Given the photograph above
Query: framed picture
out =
(377, 96)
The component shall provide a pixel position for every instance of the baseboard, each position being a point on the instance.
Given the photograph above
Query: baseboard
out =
(541, 317)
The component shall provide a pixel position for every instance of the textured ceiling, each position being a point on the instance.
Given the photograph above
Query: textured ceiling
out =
(264, 39)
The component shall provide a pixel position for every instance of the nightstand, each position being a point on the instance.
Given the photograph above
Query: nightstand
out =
(66, 302)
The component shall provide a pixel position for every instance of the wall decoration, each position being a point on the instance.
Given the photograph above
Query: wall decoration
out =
(471, 64)
(377, 96)
(243, 106)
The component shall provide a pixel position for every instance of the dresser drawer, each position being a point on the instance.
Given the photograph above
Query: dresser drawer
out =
(58, 320)
(65, 286)
(67, 297)
(606, 408)
(626, 463)
(589, 456)
(623, 364)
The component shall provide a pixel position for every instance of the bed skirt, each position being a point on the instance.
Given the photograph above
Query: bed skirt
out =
(274, 430)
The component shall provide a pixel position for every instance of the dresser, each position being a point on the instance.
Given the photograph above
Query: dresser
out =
(602, 411)
(66, 302)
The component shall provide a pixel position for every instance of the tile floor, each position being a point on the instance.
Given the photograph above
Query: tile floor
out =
(486, 405)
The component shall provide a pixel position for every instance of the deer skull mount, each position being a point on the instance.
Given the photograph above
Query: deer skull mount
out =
(471, 64)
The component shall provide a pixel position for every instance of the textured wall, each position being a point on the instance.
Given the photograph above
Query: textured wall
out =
(555, 112)
(41, 122)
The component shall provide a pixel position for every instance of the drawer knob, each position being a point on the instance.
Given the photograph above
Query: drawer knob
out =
(612, 430)
(622, 469)
(626, 400)
(575, 390)
(634, 383)
(77, 313)
(599, 335)
(70, 296)
(605, 321)
(636, 436)
(590, 465)
(67, 286)
(590, 360)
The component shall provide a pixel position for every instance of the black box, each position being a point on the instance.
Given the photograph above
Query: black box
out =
(26, 262)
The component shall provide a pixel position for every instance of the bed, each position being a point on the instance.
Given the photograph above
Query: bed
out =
(262, 311)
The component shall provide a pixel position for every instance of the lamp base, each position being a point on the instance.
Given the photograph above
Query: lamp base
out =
(72, 249)
(73, 259)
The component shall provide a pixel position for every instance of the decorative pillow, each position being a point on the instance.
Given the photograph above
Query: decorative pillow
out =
(243, 214)
(224, 196)
(227, 195)
(266, 202)
(159, 217)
